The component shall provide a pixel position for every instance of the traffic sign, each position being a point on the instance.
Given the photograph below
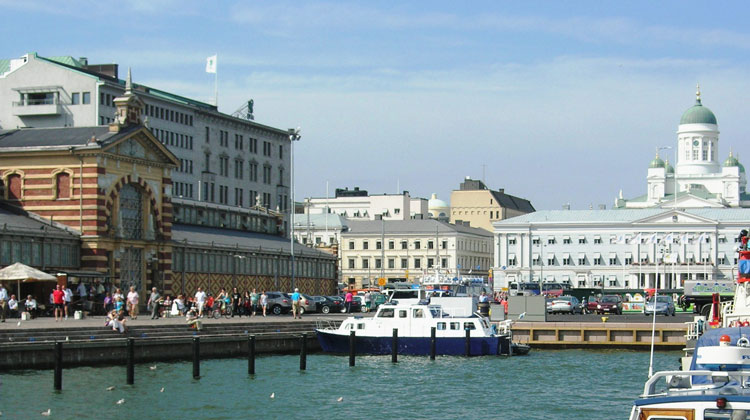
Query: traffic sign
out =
(381, 281)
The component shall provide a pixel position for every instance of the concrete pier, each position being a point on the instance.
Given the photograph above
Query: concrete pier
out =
(599, 335)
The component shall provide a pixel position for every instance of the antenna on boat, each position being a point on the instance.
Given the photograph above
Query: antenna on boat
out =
(653, 321)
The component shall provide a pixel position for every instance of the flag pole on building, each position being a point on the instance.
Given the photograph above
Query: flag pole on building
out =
(211, 67)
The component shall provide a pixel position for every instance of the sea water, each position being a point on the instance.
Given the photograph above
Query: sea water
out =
(546, 384)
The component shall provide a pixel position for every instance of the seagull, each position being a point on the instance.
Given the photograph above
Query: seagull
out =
(10, 338)
(67, 338)
(110, 388)
(19, 324)
(273, 395)
(152, 367)
(340, 399)
(120, 401)
(162, 389)
(46, 413)
(522, 316)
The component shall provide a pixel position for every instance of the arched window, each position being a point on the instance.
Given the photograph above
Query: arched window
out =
(131, 212)
(14, 187)
(62, 185)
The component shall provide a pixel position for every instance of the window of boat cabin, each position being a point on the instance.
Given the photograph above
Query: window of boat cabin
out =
(386, 313)
(418, 313)
(716, 414)
(361, 326)
(441, 326)
(435, 312)
(469, 326)
(402, 313)
(455, 325)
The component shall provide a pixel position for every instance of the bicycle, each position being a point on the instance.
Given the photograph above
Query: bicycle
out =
(221, 308)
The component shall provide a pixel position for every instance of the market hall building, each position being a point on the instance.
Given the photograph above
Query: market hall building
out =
(111, 185)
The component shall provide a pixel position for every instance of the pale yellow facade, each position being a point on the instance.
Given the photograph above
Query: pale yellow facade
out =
(479, 208)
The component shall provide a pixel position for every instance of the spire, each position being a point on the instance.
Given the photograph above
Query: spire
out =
(129, 84)
(698, 94)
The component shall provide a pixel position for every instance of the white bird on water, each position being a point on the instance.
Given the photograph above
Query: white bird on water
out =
(340, 399)
(19, 324)
(162, 389)
(120, 401)
(46, 413)
(273, 395)
(110, 388)
(152, 367)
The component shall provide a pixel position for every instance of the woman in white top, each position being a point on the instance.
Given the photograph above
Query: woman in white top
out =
(264, 302)
(133, 303)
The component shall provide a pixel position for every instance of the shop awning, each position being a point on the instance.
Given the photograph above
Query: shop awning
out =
(612, 255)
(597, 255)
(566, 255)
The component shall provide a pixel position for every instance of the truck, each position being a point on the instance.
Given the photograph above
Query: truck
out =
(699, 293)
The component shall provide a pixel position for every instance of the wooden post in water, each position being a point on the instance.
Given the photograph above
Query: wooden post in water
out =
(251, 355)
(196, 358)
(352, 345)
(130, 368)
(58, 365)
(303, 352)
(468, 342)
(394, 346)
(433, 343)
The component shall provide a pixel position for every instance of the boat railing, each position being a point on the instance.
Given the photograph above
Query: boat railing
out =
(326, 324)
(681, 380)
(694, 329)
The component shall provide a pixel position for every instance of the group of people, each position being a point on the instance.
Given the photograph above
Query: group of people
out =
(10, 306)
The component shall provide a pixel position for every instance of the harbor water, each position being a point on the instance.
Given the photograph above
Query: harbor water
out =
(547, 384)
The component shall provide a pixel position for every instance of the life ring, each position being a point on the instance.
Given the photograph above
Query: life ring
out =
(743, 342)
(744, 323)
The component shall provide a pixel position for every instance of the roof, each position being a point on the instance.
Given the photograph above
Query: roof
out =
(17, 221)
(202, 236)
(512, 202)
(416, 226)
(63, 136)
(698, 114)
(623, 215)
(321, 220)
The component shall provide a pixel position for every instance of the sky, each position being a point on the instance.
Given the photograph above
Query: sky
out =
(558, 102)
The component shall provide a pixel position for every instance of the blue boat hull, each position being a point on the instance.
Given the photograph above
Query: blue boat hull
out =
(418, 346)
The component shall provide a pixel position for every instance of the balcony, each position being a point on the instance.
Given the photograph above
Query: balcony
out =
(37, 107)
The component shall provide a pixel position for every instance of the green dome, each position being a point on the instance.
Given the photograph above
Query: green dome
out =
(731, 161)
(670, 169)
(698, 114)
(656, 163)
(742, 168)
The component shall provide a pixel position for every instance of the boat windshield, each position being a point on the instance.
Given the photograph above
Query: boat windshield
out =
(712, 414)
(435, 311)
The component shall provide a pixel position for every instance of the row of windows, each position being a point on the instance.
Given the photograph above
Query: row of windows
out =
(168, 115)
(182, 189)
(171, 138)
(39, 254)
(239, 143)
(186, 166)
(80, 98)
(221, 218)
(202, 262)
(583, 260)
(404, 244)
(62, 187)
(239, 170)
(404, 263)
(492, 213)
(581, 240)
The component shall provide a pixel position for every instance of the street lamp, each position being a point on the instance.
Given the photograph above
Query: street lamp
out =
(674, 174)
(294, 135)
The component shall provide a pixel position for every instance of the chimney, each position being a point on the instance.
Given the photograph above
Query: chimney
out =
(84, 61)
(566, 206)
(378, 217)
(602, 207)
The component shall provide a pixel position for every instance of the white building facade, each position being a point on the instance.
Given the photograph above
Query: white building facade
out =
(406, 250)
(357, 204)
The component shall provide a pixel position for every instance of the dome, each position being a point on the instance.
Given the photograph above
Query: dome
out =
(698, 114)
(731, 161)
(436, 203)
(670, 169)
(656, 163)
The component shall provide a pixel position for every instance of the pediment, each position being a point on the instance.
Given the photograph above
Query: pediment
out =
(142, 145)
(674, 216)
(691, 201)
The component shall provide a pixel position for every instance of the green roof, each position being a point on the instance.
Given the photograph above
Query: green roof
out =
(656, 163)
(4, 65)
(66, 59)
(698, 114)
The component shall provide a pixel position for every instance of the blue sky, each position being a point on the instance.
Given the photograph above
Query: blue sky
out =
(558, 102)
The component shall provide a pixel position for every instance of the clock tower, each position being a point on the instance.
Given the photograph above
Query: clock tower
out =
(697, 141)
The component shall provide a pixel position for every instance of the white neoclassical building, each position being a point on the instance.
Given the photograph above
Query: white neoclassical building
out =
(684, 227)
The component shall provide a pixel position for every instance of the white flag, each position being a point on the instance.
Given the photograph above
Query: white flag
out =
(653, 239)
(622, 239)
(637, 238)
(211, 64)
(669, 238)
(685, 239)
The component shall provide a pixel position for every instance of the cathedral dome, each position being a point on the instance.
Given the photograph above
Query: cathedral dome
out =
(698, 114)
(670, 169)
(731, 161)
(656, 163)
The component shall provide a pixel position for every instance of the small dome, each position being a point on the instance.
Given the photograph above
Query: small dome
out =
(670, 169)
(656, 163)
(731, 161)
(698, 114)
(436, 203)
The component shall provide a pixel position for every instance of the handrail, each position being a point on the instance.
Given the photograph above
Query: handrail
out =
(650, 385)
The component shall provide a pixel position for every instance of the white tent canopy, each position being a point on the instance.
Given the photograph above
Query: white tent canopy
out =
(23, 273)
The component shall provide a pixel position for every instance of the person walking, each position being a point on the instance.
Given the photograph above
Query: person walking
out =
(68, 296)
(153, 303)
(133, 303)
(236, 298)
(58, 297)
(263, 301)
(200, 300)
(348, 301)
(296, 300)
(254, 302)
(368, 301)
(3, 302)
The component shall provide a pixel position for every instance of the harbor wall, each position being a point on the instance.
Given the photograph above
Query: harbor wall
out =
(599, 335)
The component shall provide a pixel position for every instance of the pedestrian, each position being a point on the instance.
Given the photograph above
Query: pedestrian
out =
(295, 304)
(348, 301)
(68, 297)
(58, 297)
(193, 320)
(31, 306)
(108, 306)
(483, 298)
(133, 303)
(368, 301)
(3, 302)
(263, 302)
(82, 294)
(153, 303)
(254, 302)
(236, 297)
(13, 307)
(200, 300)
(246, 302)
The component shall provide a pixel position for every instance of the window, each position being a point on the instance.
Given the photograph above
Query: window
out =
(597, 240)
(386, 313)
(253, 172)
(131, 212)
(14, 187)
(455, 325)
(566, 240)
(378, 263)
(444, 263)
(430, 245)
(628, 260)
(536, 260)
(266, 174)
(86, 98)
(430, 262)
(62, 185)
(223, 138)
(551, 240)
(512, 241)
(567, 260)
(404, 263)
(239, 166)
(535, 240)
(378, 245)
(512, 261)
(612, 260)
(551, 260)
(253, 145)
(351, 244)
(223, 166)
(365, 263)
(444, 245)
(441, 326)
(391, 263)
(418, 313)
(581, 240)
(404, 245)
(469, 326)
(238, 141)
(402, 313)
(208, 136)
(582, 260)
(75, 98)
(417, 263)
(365, 245)
(281, 151)
(417, 245)
(391, 245)
(351, 263)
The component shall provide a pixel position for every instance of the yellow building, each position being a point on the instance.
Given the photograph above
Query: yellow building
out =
(473, 202)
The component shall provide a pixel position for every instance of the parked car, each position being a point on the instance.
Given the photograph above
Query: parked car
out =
(326, 304)
(356, 305)
(279, 303)
(307, 304)
(664, 305)
(606, 304)
(564, 305)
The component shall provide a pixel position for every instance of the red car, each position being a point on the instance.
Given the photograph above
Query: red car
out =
(611, 304)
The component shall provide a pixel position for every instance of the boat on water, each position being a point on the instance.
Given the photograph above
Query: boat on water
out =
(716, 386)
(414, 323)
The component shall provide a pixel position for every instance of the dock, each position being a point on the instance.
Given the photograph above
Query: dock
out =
(593, 335)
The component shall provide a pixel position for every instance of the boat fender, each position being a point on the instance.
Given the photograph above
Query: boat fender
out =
(743, 342)
(745, 323)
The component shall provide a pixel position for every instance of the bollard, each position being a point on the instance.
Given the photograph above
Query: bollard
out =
(352, 336)
(196, 358)
(468, 342)
(433, 343)
(303, 352)
(58, 365)
(130, 361)
(251, 355)
(394, 346)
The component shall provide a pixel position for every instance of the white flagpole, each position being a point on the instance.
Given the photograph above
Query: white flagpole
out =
(216, 83)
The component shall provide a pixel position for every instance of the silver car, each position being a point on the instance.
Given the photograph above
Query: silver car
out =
(664, 305)
(564, 305)
(307, 304)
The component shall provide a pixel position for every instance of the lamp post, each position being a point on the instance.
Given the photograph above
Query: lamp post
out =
(294, 135)
(674, 174)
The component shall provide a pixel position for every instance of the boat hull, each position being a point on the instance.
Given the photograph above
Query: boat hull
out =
(418, 346)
